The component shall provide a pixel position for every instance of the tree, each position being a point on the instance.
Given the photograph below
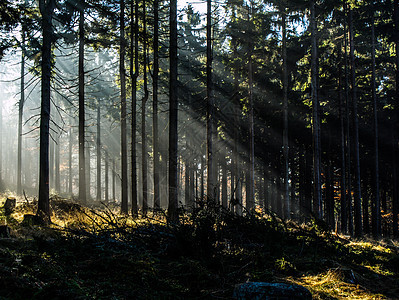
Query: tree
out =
(155, 135)
(376, 209)
(358, 194)
(134, 73)
(317, 208)
(82, 161)
(209, 104)
(143, 112)
(122, 72)
(173, 215)
(47, 10)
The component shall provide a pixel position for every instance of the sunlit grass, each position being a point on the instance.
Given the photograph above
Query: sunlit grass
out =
(365, 273)
(332, 285)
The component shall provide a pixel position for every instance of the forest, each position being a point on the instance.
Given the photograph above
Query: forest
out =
(231, 140)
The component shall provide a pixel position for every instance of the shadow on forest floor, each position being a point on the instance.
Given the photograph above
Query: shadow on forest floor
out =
(98, 254)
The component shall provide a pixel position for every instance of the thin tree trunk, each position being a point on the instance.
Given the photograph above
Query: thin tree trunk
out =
(122, 72)
(358, 194)
(57, 161)
(343, 208)
(376, 206)
(88, 171)
(1, 145)
(348, 137)
(285, 126)
(173, 101)
(70, 158)
(395, 202)
(20, 113)
(134, 38)
(224, 182)
(209, 104)
(317, 207)
(82, 162)
(98, 148)
(113, 181)
(143, 109)
(106, 175)
(46, 10)
(251, 184)
(155, 76)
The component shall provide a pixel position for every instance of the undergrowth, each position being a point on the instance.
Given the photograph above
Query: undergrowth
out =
(99, 254)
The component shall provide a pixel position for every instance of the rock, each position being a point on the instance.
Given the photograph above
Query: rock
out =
(9, 205)
(270, 291)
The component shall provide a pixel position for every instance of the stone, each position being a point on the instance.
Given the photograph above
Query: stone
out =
(270, 291)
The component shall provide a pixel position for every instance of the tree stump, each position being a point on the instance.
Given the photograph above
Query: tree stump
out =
(271, 291)
(9, 205)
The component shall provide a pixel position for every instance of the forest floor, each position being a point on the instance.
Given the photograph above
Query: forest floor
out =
(89, 253)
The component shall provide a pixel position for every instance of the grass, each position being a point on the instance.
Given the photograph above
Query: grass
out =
(99, 254)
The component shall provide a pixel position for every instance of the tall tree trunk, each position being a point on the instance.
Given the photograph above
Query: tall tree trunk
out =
(1, 145)
(343, 200)
(82, 162)
(20, 113)
(317, 207)
(285, 126)
(88, 170)
(376, 206)
(98, 148)
(57, 158)
(52, 164)
(106, 175)
(143, 124)
(209, 104)
(113, 181)
(47, 11)
(122, 72)
(224, 182)
(251, 178)
(134, 38)
(358, 194)
(395, 204)
(155, 76)
(173, 101)
(70, 158)
(348, 136)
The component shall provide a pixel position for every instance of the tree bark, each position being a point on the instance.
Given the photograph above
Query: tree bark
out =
(46, 10)
(143, 112)
(157, 204)
(395, 200)
(20, 113)
(251, 184)
(122, 72)
(82, 162)
(134, 39)
(358, 194)
(317, 207)
(98, 148)
(376, 206)
(285, 122)
(106, 175)
(70, 158)
(343, 200)
(209, 104)
(173, 102)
